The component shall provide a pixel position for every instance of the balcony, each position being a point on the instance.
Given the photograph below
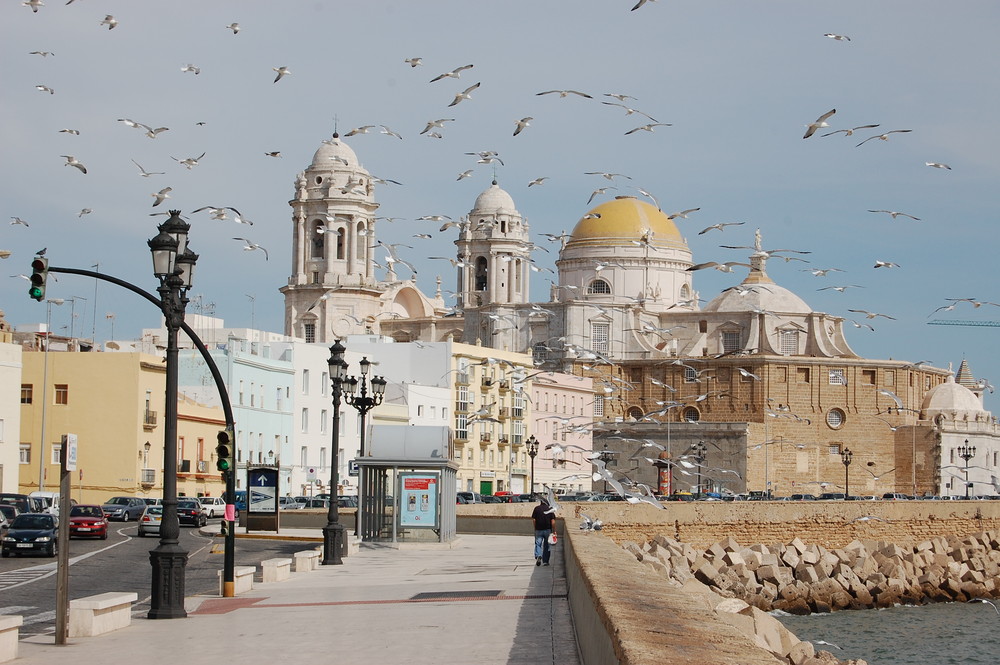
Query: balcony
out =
(517, 414)
(462, 378)
(503, 441)
(503, 414)
(487, 383)
(504, 386)
(485, 438)
(147, 477)
(149, 420)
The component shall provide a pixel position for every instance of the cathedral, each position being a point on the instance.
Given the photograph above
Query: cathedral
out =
(767, 393)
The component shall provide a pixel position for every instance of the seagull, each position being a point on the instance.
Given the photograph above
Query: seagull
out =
(849, 132)
(191, 68)
(819, 124)
(218, 212)
(433, 218)
(161, 195)
(388, 132)
(608, 176)
(648, 127)
(84, 211)
(41, 53)
(894, 214)
(938, 165)
(747, 374)
(972, 600)
(45, 88)
(153, 133)
(282, 71)
(886, 264)
(74, 132)
(563, 93)
(886, 473)
(649, 196)
(273, 153)
(521, 124)
(722, 267)
(820, 272)
(250, 246)
(144, 173)
(872, 315)
(109, 21)
(465, 94)
(34, 4)
(883, 137)
(190, 162)
(72, 161)
(598, 191)
(682, 214)
(455, 73)
(18, 220)
(363, 129)
(235, 27)
(841, 289)
(431, 124)
(538, 181)
(630, 111)
(640, 4)
(839, 38)
(413, 62)
(891, 395)
(720, 226)
(464, 174)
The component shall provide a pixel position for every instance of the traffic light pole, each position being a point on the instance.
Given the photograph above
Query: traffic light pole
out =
(229, 560)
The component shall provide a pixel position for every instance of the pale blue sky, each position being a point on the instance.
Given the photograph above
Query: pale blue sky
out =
(738, 80)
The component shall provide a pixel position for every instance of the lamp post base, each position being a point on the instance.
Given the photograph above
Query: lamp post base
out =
(167, 601)
(333, 543)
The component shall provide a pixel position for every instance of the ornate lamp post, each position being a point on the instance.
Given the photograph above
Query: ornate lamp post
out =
(532, 444)
(699, 454)
(846, 457)
(173, 266)
(608, 457)
(368, 505)
(966, 452)
(333, 532)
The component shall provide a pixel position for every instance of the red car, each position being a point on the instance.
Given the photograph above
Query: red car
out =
(88, 522)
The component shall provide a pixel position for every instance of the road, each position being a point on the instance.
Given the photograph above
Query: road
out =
(120, 563)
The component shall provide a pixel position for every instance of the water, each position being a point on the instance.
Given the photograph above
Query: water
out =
(937, 634)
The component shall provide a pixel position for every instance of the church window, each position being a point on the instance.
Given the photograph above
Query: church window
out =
(691, 415)
(599, 407)
(835, 418)
(309, 332)
(340, 243)
(730, 341)
(517, 275)
(360, 252)
(837, 377)
(599, 333)
(539, 353)
(685, 292)
(599, 287)
(315, 277)
(481, 273)
(316, 242)
(319, 180)
(703, 326)
(690, 375)
(789, 342)
(635, 413)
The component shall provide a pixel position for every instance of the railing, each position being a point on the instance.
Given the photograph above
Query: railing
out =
(149, 419)
(503, 414)
(484, 438)
(487, 382)
(504, 386)
(184, 466)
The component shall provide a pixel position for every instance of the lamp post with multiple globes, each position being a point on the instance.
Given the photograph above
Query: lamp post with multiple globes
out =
(967, 452)
(532, 444)
(369, 504)
(847, 457)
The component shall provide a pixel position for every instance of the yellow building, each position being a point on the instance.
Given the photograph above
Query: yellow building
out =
(113, 402)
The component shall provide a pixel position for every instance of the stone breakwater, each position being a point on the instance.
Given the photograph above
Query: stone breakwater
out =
(799, 578)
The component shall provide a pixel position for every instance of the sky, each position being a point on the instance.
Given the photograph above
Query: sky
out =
(737, 81)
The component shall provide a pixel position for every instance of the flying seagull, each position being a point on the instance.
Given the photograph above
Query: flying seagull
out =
(455, 73)
(872, 315)
(849, 132)
(235, 27)
(839, 38)
(282, 71)
(521, 124)
(818, 124)
(45, 88)
(250, 246)
(144, 173)
(894, 214)
(72, 161)
(719, 226)
(465, 94)
(413, 62)
(938, 165)
(189, 162)
(883, 137)
(563, 93)
(161, 195)
(648, 127)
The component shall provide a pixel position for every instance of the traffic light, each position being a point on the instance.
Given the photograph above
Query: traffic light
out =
(224, 452)
(39, 273)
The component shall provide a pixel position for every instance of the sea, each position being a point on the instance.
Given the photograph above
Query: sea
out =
(936, 634)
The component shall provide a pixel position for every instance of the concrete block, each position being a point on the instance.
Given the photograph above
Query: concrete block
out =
(242, 579)
(307, 560)
(9, 626)
(103, 613)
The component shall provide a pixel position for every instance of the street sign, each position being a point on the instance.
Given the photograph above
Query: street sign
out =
(263, 486)
(352, 468)
(311, 474)
(69, 449)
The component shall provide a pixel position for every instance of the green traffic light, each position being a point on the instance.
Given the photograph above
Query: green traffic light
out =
(222, 465)
(37, 292)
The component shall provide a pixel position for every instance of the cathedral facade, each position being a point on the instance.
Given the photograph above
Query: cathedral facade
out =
(764, 391)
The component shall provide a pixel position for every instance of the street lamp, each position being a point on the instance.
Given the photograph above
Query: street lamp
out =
(967, 452)
(699, 454)
(173, 266)
(608, 457)
(532, 444)
(370, 504)
(333, 532)
(846, 457)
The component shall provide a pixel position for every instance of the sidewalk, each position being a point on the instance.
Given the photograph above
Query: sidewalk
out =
(491, 605)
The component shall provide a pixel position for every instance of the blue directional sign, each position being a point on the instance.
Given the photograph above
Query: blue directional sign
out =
(262, 485)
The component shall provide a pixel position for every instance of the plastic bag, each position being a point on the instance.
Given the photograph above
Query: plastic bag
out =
(553, 539)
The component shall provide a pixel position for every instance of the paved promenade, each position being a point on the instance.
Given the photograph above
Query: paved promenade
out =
(484, 601)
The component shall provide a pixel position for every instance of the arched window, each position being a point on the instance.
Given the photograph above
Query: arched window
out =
(361, 242)
(318, 229)
(691, 415)
(599, 286)
(340, 243)
(685, 292)
(482, 273)
(635, 413)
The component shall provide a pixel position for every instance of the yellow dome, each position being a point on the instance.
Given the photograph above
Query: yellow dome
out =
(623, 220)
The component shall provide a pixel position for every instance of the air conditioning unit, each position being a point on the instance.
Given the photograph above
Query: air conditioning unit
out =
(184, 466)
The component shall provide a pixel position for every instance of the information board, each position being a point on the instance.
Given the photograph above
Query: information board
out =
(262, 495)
(419, 496)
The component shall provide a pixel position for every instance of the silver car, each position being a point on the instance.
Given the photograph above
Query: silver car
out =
(149, 522)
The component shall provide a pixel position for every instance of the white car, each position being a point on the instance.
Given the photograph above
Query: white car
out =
(215, 506)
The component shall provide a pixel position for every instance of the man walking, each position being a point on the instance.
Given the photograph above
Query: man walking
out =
(544, 517)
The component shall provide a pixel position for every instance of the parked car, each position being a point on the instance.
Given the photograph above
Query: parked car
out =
(215, 506)
(31, 532)
(895, 496)
(802, 497)
(491, 498)
(9, 511)
(86, 521)
(459, 499)
(4, 524)
(152, 501)
(123, 508)
(149, 523)
(23, 502)
(831, 496)
(471, 497)
(316, 502)
(189, 511)
(288, 503)
(347, 501)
